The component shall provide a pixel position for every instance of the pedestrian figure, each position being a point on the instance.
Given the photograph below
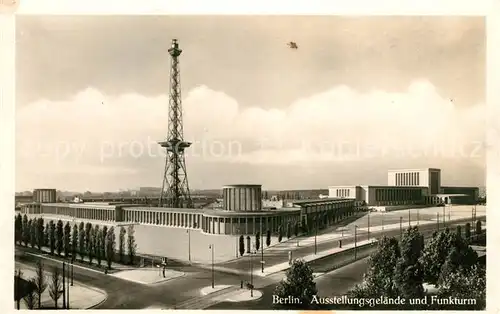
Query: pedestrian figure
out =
(163, 271)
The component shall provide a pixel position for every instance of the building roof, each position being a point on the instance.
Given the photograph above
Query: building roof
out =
(321, 200)
(81, 205)
(217, 212)
(413, 169)
(242, 186)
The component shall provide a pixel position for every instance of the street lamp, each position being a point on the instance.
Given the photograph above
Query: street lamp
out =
(401, 227)
(355, 241)
(368, 226)
(444, 215)
(315, 235)
(211, 247)
(72, 274)
(262, 252)
(418, 216)
(251, 270)
(409, 217)
(437, 214)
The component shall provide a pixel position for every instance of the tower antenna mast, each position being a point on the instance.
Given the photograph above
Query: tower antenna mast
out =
(175, 188)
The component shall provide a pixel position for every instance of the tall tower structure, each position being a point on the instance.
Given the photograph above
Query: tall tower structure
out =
(175, 188)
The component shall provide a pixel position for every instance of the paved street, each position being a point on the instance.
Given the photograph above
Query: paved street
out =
(166, 295)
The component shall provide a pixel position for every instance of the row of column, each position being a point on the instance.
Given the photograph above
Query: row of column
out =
(94, 213)
(246, 225)
(172, 219)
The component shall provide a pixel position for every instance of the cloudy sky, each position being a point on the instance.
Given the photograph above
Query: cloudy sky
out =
(361, 95)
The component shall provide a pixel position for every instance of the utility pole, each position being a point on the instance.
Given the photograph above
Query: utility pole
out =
(72, 274)
(444, 216)
(409, 218)
(189, 244)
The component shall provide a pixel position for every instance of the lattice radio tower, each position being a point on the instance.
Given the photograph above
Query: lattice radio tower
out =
(175, 188)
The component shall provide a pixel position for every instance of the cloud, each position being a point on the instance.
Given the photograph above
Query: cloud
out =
(94, 131)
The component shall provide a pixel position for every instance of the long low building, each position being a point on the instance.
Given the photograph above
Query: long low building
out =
(242, 213)
(408, 187)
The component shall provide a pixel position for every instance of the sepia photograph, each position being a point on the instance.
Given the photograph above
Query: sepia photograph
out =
(250, 162)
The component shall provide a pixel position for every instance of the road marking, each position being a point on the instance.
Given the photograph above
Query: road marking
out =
(55, 260)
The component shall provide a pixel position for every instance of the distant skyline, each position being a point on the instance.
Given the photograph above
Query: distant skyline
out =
(360, 95)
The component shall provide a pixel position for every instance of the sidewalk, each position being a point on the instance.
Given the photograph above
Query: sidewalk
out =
(308, 258)
(80, 296)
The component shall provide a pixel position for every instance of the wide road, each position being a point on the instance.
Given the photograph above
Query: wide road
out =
(124, 294)
(334, 283)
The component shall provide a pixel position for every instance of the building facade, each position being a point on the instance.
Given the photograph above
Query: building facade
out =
(240, 215)
(45, 195)
(408, 187)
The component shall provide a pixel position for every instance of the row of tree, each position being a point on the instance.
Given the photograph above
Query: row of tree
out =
(37, 286)
(399, 268)
(446, 261)
(83, 240)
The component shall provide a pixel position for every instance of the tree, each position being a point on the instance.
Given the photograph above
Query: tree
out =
(52, 236)
(478, 228)
(103, 241)
(25, 230)
(268, 238)
(74, 242)
(32, 227)
(30, 299)
(81, 240)
(409, 274)
(121, 244)
(288, 231)
(461, 257)
(437, 251)
(67, 239)
(40, 235)
(91, 244)
(467, 231)
(59, 237)
(242, 245)
(257, 241)
(98, 245)
(299, 283)
(379, 280)
(459, 230)
(132, 246)
(18, 227)
(46, 236)
(55, 289)
(280, 233)
(110, 246)
(40, 281)
(88, 240)
(464, 284)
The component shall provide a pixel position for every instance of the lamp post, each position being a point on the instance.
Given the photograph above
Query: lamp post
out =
(409, 218)
(401, 227)
(355, 241)
(315, 235)
(368, 226)
(251, 273)
(418, 216)
(72, 273)
(262, 252)
(64, 285)
(67, 289)
(211, 247)
(444, 215)
(437, 221)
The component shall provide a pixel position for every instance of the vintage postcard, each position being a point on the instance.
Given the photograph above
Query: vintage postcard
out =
(250, 162)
